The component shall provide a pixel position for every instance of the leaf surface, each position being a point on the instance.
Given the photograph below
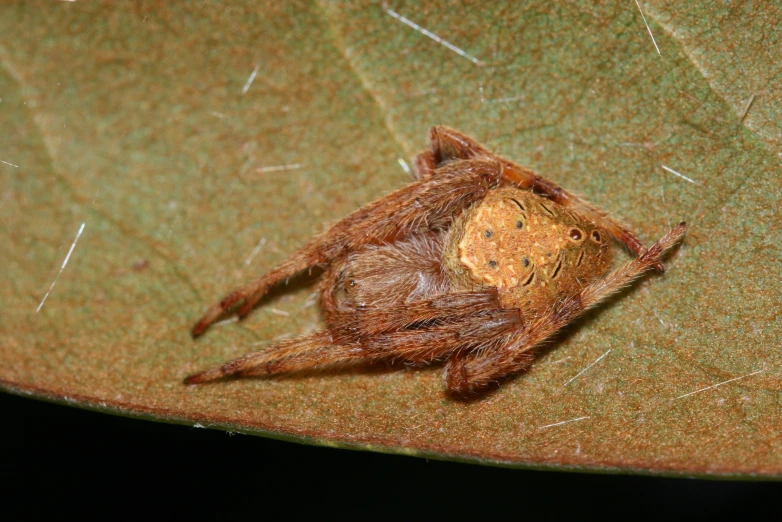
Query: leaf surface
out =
(199, 145)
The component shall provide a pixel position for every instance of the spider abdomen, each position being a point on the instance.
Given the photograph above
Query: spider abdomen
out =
(528, 247)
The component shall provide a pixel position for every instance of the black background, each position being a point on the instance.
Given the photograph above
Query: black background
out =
(65, 461)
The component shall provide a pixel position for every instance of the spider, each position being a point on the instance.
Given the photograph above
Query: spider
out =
(475, 263)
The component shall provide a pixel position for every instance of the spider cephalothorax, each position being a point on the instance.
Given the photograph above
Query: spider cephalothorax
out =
(475, 263)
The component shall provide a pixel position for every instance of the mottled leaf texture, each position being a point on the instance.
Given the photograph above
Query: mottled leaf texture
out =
(171, 151)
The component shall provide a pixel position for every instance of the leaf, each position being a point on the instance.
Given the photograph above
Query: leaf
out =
(199, 145)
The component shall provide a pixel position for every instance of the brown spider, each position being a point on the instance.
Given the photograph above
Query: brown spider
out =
(476, 263)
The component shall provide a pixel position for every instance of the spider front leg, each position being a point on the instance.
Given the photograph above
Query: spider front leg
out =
(525, 178)
(448, 145)
(475, 370)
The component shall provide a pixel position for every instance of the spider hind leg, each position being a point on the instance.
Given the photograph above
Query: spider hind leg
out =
(420, 207)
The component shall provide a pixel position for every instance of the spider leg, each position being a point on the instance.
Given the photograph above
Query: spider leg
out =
(445, 145)
(429, 342)
(526, 178)
(471, 371)
(448, 145)
(421, 331)
(285, 356)
(421, 206)
(425, 165)
(446, 308)
(299, 262)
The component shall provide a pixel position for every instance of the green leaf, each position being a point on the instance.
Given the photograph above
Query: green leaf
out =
(199, 145)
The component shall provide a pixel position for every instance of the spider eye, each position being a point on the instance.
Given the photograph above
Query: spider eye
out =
(575, 234)
(488, 234)
(596, 237)
(525, 261)
(519, 224)
(493, 263)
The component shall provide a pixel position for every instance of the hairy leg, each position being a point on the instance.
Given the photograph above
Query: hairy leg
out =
(298, 262)
(286, 356)
(475, 370)
(448, 145)
(365, 323)
(429, 341)
(421, 206)
(417, 332)
(525, 178)
(425, 165)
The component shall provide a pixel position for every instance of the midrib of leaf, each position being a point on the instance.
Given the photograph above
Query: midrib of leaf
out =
(363, 79)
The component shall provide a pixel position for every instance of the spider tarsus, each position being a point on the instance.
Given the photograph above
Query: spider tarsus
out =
(670, 239)
(245, 310)
(677, 231)
(205, 376)
(204, 323)
(196, 378)
(213, 313)
(198, 330)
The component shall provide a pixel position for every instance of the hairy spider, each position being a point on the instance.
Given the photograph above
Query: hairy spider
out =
(475, 263)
